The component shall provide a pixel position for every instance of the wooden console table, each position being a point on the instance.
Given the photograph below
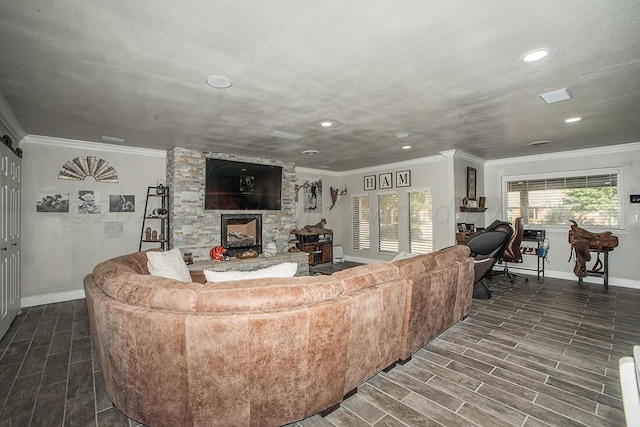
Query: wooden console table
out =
(318, 245)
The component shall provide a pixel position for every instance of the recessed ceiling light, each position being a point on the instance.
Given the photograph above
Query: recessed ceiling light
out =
(406, 147)
(401, 135)
(219, 82)
(539, 143)
(324, 167)
(112, 139)
(573, 120)
(310, 152)
(535, 55)
(328, 123)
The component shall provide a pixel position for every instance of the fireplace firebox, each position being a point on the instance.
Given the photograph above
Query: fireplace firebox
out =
(241, 232)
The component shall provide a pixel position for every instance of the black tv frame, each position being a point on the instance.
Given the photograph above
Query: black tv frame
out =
(236, 185)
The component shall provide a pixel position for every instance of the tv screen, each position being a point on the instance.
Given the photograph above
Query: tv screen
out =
(231, 185)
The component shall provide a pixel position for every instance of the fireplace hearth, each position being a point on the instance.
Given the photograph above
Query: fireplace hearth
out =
(241, 232)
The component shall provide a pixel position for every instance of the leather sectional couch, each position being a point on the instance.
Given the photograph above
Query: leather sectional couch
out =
(263, 352)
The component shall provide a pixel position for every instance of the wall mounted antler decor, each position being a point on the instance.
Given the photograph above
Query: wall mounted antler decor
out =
(81, 167)
(336, 195)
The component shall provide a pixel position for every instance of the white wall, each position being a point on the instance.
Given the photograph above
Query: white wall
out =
(334, 218)
(462, 161)
(59, 249)
(433, 173)
(624, 268)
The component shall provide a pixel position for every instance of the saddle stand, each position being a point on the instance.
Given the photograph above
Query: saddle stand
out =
(584, 242)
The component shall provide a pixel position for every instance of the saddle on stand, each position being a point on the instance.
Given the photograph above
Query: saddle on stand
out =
(583, 241)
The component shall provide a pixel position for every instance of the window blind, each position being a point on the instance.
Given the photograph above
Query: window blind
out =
(588, 199)
(360, 223)
(388, 223)
(420, 222)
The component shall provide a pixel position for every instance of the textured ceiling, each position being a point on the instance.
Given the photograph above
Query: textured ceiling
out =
(449, 73)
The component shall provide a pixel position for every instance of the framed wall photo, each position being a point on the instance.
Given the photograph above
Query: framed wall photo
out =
(385, 180)
(370, 182)
(403, 179)
(471, 183)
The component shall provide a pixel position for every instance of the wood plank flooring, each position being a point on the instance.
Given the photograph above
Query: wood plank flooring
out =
(535, 354)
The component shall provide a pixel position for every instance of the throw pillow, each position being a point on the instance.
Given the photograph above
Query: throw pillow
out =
(402, 255)
(168, 264)
(285, 269)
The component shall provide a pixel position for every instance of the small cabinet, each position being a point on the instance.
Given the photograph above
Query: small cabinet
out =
(155, 223)
(318, 246)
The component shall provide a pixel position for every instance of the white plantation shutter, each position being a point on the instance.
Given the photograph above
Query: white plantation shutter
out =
(420, 222)
(360, 224)
(589, 199)
(388, 223)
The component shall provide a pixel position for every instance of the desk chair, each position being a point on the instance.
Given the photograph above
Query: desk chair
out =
(513, 254)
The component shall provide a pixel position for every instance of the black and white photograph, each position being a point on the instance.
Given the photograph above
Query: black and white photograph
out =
(54, 202)
(122, 203)
(313, 196)
(89, 202)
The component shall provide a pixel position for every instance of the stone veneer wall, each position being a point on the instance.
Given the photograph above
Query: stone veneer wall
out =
(196, 230)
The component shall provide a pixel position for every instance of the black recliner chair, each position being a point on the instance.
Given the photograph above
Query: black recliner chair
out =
(487, 248)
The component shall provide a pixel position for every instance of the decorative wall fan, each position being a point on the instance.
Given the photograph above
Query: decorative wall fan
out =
(82, 167)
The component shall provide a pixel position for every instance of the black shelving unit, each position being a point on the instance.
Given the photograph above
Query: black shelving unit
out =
(157, 199)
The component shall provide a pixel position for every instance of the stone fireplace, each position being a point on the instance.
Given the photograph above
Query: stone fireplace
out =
(195, 229)
(241, 232)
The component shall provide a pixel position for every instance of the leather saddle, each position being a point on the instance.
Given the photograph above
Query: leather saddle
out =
(583, 241)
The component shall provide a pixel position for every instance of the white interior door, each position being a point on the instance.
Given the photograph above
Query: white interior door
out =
(10, 193)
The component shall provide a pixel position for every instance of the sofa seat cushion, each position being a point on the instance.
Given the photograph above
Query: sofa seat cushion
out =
(284, 269)
(168, 264)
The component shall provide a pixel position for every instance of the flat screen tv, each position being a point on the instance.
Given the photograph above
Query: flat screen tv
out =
(231, 185)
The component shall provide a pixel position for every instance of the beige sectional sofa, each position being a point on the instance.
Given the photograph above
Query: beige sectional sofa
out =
(263, 352)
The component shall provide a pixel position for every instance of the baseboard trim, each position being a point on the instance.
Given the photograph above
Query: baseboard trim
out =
(554, 274)
(51, 298)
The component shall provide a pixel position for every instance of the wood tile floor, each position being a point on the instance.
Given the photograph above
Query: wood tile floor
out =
(533, 355)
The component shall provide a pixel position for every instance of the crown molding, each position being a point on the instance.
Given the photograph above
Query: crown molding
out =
(469, 157)
(597, 151)
(9, 120)
(93, 146)
(397, 165)
(313, 171)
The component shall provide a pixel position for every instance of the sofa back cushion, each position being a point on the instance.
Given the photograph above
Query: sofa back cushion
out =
(451, 254)
(366, 276)
(267, 293)
(120, 278)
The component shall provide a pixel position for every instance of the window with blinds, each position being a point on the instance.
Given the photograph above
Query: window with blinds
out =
(388, 223)
(591, 200)
(420, 222)
(360, 225)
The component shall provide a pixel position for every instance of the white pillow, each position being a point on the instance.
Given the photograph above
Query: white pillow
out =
(402, 255)
(285, 269)
(168, 264)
